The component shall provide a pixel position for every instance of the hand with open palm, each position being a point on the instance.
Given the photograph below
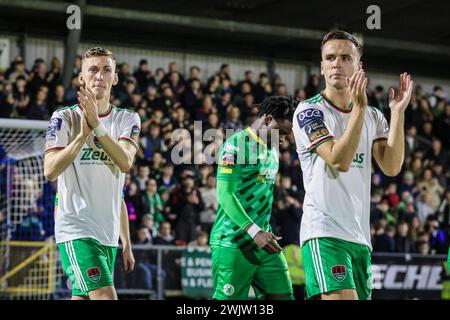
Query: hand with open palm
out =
(398, 101)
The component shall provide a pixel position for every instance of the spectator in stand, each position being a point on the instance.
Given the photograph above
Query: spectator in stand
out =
(207, 107)
(443, 214)
(188, 220)
(58, 99)
(149, 222)
(194, 73)
(142, 177)
(378, 99)
(152, 141)
(403, 240)
(53, 77)
(201, 240)
(7, 101)
(384, 239)
(37, 110)
(438, 237)
(143, 76)
(193, 95)
(312, 87)
(165, 236)
(233, 122)
(208, 194)
(21, 97)
(19, 71)
(430, 184)
(38, 78)
(151, 202)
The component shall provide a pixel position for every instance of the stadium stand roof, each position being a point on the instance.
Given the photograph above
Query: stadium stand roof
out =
(414, 32)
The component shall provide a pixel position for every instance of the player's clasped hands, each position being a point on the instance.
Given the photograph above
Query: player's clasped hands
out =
(357, 87)
(88, 102)
(268, 242)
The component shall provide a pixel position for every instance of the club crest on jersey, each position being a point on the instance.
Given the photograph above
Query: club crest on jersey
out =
(228, 290)
(309, 115)
(94, 274)
(339, 272)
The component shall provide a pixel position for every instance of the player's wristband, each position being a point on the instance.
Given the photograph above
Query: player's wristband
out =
(253, 230)
(100, 130)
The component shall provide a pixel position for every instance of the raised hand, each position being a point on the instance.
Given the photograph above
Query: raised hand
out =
(88, 102)
(357, 85)
(398, 101)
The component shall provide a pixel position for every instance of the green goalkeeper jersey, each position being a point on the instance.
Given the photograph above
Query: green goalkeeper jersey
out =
(245, 160)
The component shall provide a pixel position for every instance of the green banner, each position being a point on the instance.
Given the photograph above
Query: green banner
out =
(196, 280)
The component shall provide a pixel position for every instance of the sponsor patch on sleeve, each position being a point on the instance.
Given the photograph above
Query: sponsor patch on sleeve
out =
(53, 127)
(307, 116)
(226, 170)
(227, 160)
(316, 130)
(135, 133)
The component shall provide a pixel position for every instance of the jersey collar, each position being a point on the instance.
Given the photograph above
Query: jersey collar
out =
(349, 108)
(101, 115)
(254, 136)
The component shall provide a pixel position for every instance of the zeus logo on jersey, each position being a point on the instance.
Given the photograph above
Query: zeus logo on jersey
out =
(359, 158)
(90, 154)
(358, 161)
(309, 115)
(53, 127)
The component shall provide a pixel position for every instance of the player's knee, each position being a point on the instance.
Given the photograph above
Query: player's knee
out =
(345, 294)
(280, 296)
(80, 297)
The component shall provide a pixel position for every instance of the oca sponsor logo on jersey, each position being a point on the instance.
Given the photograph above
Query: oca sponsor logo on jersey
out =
(307, 116)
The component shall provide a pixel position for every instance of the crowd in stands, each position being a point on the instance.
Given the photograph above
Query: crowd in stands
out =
(176, 204)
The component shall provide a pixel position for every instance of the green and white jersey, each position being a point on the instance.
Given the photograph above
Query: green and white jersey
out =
(90, 188)
(337, 204)
(245, 159)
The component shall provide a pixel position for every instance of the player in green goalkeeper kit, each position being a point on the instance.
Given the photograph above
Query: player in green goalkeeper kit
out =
(244, 251)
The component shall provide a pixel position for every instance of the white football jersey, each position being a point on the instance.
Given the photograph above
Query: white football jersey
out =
(90, 189)
(336, 204)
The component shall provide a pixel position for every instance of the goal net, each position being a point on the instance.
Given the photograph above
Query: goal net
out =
(29, 261)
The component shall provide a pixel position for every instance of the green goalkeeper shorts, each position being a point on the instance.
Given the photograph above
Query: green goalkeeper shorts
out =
(233, 274)
(332, 264)
(88, 264)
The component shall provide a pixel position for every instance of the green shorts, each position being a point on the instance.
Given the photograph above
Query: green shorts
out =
(233, 274)
(88, 264)
(448, 259)
(332, 264)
